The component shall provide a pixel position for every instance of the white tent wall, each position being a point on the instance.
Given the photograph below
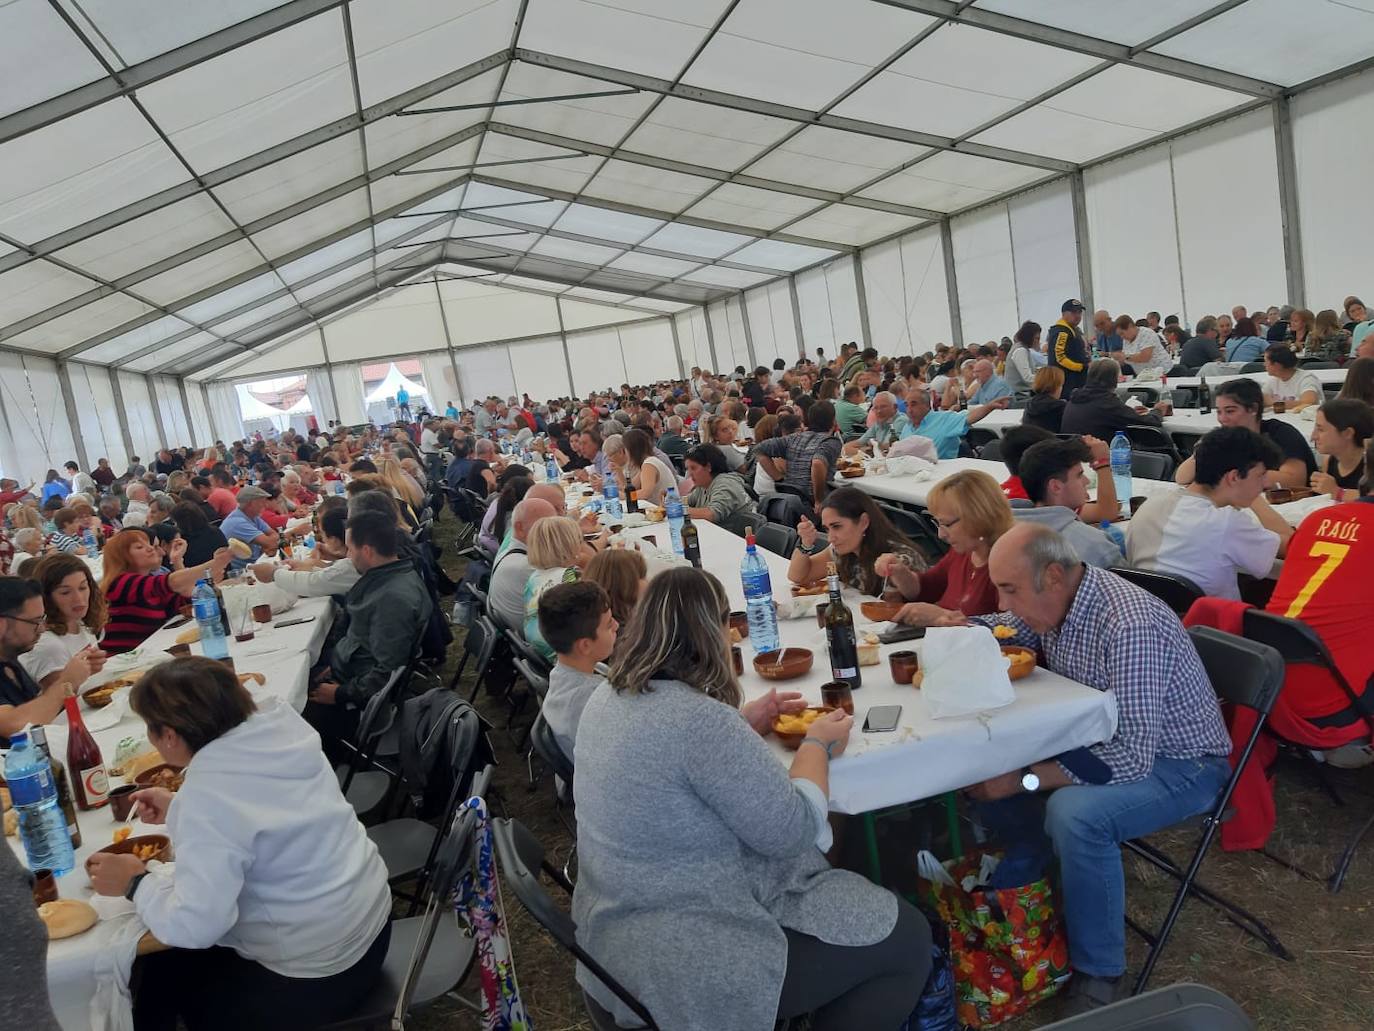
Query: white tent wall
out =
(828, 300)
(730, 352)
(174, 422)
(403, 322)
(439, 382)
(347, 380)
(38, 436)
(484, 372)
(983, 270)
(540, 368)
(226, 417)
(908, 301)
(647, 348)
(772, 323)
(202, 428)
(596, 359)
(138, 410)
(1044, 253)
(694, 340)
(320, 388)
(1334, 154)
(98, 414)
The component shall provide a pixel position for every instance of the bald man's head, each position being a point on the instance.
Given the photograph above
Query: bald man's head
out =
(1036, 573)
(527, 513)
(551, 493)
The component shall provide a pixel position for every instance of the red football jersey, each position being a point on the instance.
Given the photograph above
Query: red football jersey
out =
(1328, 583)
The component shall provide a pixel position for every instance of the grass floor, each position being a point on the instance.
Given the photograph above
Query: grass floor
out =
(1329, 985)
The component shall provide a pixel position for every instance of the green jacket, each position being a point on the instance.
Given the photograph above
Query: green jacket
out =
(388, 609)
(851, 417)
(726, 498)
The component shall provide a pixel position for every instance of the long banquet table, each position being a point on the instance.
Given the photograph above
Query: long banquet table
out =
(82, 971)
(923, 757)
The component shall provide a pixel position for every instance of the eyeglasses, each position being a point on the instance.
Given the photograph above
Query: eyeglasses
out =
(948, 525)
(41, 622)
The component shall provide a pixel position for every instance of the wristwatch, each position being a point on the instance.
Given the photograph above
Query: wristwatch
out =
(1030, 780)
(134, 882)
(815, 547)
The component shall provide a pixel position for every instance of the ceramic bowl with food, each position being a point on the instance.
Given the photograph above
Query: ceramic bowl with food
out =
(791, 728)
(100, 696)
(163, 775)
(852, 472)
(1021, 661)
(880, 611)
(146, 846)
(787, 664)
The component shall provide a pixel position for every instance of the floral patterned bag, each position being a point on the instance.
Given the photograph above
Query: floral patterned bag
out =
(1008, 945)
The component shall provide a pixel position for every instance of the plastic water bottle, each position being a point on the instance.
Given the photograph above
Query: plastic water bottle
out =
(42, 827)
(1115, 535)
(1121, 470)
(92, 545)
(551, 471)
(338, 487)
(672, 508)
(205, 605)
(614, 511)
(758, 600)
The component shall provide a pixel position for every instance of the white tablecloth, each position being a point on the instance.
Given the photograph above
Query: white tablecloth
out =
(1195, 423)
(914, 488)
(923, 757)
(284, 657)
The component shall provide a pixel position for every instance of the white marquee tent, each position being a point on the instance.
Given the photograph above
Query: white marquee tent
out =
(554, 195)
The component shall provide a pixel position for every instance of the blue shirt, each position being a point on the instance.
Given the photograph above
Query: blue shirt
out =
(886, 432)
(237, 526)
(403, 396)
(450, 412)
(946, 429)
(994, 389)
(1108, 343)
(1245, 349)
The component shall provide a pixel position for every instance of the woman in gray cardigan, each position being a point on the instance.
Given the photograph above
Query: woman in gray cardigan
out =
(702, 882)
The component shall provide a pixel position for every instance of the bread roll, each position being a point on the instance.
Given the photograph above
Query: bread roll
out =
(67, 917)
(239, 549)
(191, 633)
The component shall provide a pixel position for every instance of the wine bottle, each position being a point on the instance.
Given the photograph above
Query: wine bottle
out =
(691, 542)
(39, 735)
(631, 499)
(839, 635)
(90, 784)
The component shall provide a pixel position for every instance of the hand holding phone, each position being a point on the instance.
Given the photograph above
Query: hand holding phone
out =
(882, 718)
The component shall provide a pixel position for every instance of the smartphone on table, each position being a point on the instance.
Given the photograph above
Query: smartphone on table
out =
(882, 718)
(292, 622)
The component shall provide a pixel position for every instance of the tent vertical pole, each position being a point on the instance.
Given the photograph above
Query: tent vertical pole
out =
(956, 326)
(863, 298)
(163, 440)
(563, 336)
(711, 340)
(1288, 202)
(64, 382)
(748, 333)
(677, 347)
(1082, 241)
(448, 339)
(121, 411)
(796, 316)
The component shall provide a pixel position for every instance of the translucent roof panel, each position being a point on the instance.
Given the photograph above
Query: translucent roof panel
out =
(846, 223)
(831, 159)
(37, 286)
(144, 241)
(538, 164)
(348, 249)
(233, 297)
(573, 250)
(250, 98)
(69, 172)
(647, 187)
(1128, 23)
(315, 224)
(401, 44)
(747, 206)
(232, 326)
(696, 240)
(1280, 40)
(140, 339)
(202, 273)
(33, 37)
(595, 119)
(398, 136)
(706, 135)
(719, 275)
(293, 179)
(652, 265)
(394, 191)
(140, 29)
(605, 223)
(766, 50)
(319, 287)
(654, 37)
(195, 344)
(529, 208)
(85, 322)
(960, 77)
(947, 181)
(778, 254)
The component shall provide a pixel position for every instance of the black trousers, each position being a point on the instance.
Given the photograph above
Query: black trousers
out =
(874, 987)
(335, 725)
(218, 990)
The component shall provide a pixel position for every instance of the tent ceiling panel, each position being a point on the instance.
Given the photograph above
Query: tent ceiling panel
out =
(350, 248)
(323, 285)
(416, 193)
(846, 223)
(85, 322)
(71, 171)
(231, 327)
(401, 44)
(293, 179)
(587, 253)
(1126, 23)
(230, 106)
(749, 206)
(704, 134)
(719, 275)
(947, 181)
(312, 225)
(652, 264)
(605, 223)
(224, 301)
(832, 159)
(141, 338)
(696, 240)
(304, 352)
(139, 29)
(652, 37)
(201, 273)
(531, 208)
(195, 344)
(1048, 129)
(488, 234)
(960, 77)
(604, 120)
(537, 164)
(399, 135)
(781, 255)
(596, 295)
(765, 50)
(34, 38)
(647, 187)
(145, 241)
(1290, 42)
(36, 286)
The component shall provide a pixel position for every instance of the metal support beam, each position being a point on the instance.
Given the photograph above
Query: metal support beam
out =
(956, 326)
(748, 333)
(448, 340)
(210, 412)
(122, 412)
(563, 336)
(711, 339)
(682, 369)
(1288, 203)
(64, 382)
(796, 315)
(1082, 239)
(186, 409)
(863, 300)
(163, 437)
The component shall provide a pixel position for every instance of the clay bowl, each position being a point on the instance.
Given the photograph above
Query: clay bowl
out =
(127, 846)
(1019, 667)
(787, 665)
(880, 611)
(793, 741)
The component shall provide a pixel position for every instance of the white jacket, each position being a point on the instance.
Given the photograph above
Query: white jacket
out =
(271, 861)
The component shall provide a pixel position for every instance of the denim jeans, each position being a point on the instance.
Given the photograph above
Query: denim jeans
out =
(1085, 825)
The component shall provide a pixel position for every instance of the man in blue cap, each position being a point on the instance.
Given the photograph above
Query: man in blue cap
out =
(1067, 349)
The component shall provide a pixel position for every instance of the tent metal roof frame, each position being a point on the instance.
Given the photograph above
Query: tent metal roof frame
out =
(124, 83)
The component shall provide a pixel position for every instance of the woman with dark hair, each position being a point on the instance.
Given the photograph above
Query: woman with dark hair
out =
(644, 470)
(74, 610)
(202, 539)
(1021, 361)
(1245, 344)
(277, 913)
(54, 487)
(859, 535)
(1343, 428)
(497, 516)
(1289, 385)
(1239, 402)
(1359, 381)
(717, 495)
(692, 836)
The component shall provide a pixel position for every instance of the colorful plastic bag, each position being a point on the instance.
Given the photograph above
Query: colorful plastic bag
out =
(1008, 946)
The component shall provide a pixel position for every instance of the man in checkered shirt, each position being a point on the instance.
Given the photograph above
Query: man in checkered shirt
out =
(1166, 762)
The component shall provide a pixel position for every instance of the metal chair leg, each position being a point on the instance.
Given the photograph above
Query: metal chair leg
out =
(1343, 865)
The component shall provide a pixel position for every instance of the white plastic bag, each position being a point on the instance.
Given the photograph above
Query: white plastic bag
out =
(965, 672)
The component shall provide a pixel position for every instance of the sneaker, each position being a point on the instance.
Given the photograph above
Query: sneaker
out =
(1088, 993)
(1352, 756)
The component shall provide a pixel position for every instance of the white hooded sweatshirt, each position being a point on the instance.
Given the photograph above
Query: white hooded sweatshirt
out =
(271, 861)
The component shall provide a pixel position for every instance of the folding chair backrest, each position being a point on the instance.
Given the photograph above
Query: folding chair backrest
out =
(537, 679)
(512, 849)
(526, 651)
(548, 749)
(1178, 592)
(779, 539)
(1151, 438)
(783, 508)
(1242, 671)
(919, 528)
(1299, 645)
(1151, 465)
(991, 451)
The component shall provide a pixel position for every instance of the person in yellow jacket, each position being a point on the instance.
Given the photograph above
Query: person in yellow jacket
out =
(1066, 347)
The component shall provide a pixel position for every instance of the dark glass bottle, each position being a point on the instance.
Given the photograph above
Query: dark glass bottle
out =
(691, 542)
(63, 785)
(839, 636)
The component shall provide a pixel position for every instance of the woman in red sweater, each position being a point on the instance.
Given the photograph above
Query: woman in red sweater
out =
(972, 513)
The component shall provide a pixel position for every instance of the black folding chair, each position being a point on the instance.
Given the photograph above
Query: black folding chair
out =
(1180, 1007)
(920, 528)
(365, 782)
(1250, 367)
(522, 857)
(1300, 645)
(1151, 465)
(1177, 592)
(1242, 672)
(979, 437)
(991, 451)
(429, 955)
(1153, 438)
(784, 508)
(779, 539)
(479, 645)
(536, 675)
